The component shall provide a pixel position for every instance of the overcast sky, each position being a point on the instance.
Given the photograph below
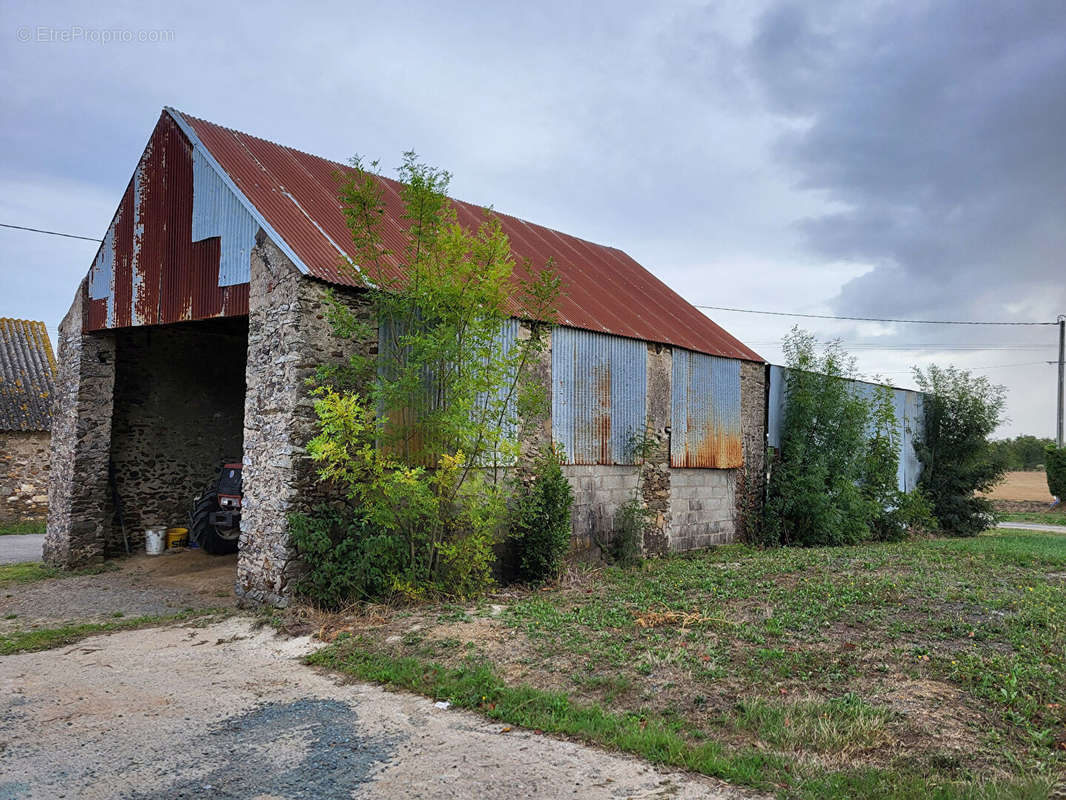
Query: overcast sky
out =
(853, 158)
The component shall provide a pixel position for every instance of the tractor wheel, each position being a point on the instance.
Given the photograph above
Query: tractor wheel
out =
(213, 540)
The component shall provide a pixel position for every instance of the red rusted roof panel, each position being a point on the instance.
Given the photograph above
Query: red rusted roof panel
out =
(605, 290)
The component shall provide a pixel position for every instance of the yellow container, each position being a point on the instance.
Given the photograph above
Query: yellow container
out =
(177, 537)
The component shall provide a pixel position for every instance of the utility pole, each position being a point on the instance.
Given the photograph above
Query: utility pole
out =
(1062, 359)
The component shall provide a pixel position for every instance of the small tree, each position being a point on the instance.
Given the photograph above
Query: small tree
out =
(416, 436)
(880, 482)
(814, 496)
(958, 460)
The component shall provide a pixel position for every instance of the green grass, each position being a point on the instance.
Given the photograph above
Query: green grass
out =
(23, 526)
(48, 638)
(1042, 517)
(934, 668)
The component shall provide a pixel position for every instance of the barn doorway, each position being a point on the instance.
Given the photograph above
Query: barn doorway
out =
(178, 415)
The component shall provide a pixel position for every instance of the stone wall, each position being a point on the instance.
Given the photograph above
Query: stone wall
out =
(23, 475)
(178, 413)
(79, 505)
(289, 336)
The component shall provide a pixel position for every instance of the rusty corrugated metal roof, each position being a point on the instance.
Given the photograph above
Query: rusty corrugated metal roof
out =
(27, 376)
(294, 197)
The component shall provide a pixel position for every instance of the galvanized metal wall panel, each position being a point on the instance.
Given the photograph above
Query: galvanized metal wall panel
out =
(906, 404)
(599, 395)
(705, 411)
(216, 211)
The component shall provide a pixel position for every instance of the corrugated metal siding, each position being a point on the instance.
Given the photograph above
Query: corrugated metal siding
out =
(27, 376)
(388, 331)
(906, 404)
(599, 395)
(604, 289)
(149, 269)
(216, 211)
(705, 426)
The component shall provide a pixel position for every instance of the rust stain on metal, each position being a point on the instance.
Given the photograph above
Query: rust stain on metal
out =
(158, 275)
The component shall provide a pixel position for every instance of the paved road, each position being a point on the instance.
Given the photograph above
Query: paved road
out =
(17, 548)
(228, 711)
(1032, 526)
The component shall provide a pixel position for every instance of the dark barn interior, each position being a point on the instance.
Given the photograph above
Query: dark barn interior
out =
(178, 413)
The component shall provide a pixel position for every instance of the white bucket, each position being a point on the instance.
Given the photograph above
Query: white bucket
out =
(155, 541)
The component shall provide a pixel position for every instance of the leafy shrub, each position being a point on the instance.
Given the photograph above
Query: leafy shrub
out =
(627, 540)
(541, 524)
(1055, 465)
(880, 466)
(345, 558)
(814, 496)
(958, 460)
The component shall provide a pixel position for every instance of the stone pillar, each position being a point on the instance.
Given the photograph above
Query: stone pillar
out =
(78, 491)
(655, 469)
(535, 431)
(751, 481)
(289, 336)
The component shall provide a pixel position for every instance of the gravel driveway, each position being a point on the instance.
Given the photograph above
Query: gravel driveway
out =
(228, 711)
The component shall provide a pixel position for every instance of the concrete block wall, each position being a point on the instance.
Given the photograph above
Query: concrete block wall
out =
(599, 490)
(702, 508)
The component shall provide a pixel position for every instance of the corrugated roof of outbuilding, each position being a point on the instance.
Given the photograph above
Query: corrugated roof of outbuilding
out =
(27, 373)
(605, 290)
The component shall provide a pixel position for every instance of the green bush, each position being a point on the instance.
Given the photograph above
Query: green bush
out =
(958, 460)
(1055, 465)
(344, 557)
(815, 495)
(540, 523)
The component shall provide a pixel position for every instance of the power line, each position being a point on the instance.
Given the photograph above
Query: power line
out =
(990, 366)
(924, 346)
(50, 233)
(867, 319)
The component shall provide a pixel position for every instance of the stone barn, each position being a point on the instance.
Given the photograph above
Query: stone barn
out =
(191, 336)
(27, 372)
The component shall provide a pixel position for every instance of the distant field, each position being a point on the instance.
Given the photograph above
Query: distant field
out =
(1023, 486)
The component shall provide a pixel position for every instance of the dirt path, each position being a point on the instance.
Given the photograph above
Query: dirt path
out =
(226, 711)
(138, 587)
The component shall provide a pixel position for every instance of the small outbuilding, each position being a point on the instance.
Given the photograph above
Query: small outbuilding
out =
(27, 373)
(190, 339)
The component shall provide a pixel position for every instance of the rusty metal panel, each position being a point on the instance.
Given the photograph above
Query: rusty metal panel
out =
(599, 395)
(295, 195)
(705, 416)
(149, 270)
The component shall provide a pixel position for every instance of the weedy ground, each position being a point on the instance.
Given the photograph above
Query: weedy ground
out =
(932, 668)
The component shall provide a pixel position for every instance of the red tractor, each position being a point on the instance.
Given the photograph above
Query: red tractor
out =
(215, 519)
